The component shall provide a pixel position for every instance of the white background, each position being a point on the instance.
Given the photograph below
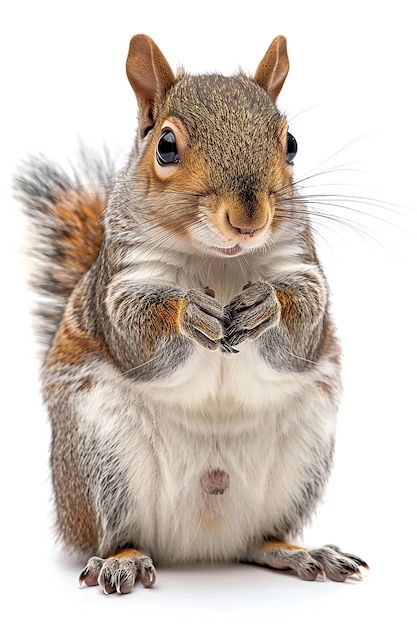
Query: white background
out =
(350, 98)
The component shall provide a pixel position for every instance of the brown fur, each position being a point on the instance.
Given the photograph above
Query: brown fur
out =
(163, 321)
(76, 519)
(73, 346)
(81, 240)
(270, 545)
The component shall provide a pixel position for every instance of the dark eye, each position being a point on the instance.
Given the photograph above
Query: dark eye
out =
(166, 150)
(291, 148)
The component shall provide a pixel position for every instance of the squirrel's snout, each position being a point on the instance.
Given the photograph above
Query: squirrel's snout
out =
(247, 222)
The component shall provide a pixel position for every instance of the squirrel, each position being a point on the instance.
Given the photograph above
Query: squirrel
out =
(191, 367)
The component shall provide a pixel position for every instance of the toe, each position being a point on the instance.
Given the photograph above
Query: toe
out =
(338, 565)
(146, 571)
(91, 572)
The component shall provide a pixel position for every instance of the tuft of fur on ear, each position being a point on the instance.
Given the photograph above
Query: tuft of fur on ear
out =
(150, 76)
(273, 69)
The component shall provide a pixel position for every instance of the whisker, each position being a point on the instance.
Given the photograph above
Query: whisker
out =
(294, 117)
(300, 358)
(141, 365)
(327, 220)
(339, 151)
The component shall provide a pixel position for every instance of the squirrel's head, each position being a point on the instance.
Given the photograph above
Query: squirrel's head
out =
(216, 145)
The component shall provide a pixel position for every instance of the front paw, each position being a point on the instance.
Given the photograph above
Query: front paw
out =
(203, 318)
(251, 313)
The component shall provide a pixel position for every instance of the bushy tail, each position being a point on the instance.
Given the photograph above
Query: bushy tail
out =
(65, 233)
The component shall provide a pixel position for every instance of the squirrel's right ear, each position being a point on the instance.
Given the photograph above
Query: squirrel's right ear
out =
(150, 75)
(273, 69)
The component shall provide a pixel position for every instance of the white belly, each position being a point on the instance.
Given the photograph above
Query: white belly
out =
(232, 414)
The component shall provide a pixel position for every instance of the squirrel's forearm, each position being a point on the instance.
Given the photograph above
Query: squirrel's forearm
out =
(139, 331)
(143, 328)
(302, 304)
(295, 342)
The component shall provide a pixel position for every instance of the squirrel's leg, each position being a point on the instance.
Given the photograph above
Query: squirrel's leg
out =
(119, 571)
(329, 561)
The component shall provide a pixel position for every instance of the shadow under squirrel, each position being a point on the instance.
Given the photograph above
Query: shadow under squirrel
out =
(191, 368)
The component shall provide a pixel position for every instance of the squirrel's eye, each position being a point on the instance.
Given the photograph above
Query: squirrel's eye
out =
(291, 148)
(166, 150)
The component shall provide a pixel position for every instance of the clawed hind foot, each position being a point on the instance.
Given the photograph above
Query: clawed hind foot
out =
(328, 562)
(119, 572)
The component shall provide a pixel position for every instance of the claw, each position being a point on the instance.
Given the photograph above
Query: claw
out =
(226, 348)
(148, 578)
(82, 576)
(356, 559)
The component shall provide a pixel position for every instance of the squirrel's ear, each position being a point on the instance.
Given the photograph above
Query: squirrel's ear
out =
(150, 75)
(273, 69)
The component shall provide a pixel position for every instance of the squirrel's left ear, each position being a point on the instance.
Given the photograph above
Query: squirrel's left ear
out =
(150, 75)
(273, 69)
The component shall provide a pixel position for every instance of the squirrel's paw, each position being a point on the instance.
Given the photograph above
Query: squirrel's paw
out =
(203, 318)
(338, 565)
(119, 572)
(251, 312)
(327, 562)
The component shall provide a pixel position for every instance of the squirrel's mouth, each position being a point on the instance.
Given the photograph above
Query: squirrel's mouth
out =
(237, 249)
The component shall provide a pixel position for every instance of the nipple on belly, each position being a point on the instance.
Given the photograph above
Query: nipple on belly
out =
(215, 482)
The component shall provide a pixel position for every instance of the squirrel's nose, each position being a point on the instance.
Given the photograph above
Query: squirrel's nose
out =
(246, 231)
(244, 224)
